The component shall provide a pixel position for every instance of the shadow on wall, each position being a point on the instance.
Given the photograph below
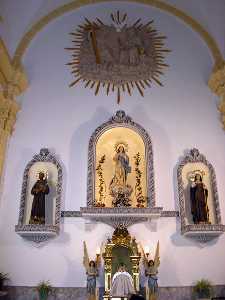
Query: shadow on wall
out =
(79, 157)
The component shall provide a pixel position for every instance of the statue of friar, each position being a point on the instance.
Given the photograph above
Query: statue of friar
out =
(39, 190)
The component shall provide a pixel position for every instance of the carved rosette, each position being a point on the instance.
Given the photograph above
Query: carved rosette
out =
(200, 232)
(36, 232)
(217, 85)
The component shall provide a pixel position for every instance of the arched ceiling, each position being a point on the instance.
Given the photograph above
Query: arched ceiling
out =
(32, 16)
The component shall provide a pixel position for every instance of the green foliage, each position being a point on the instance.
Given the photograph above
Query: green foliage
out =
(44, 288)
(203, 288)
(4, 276)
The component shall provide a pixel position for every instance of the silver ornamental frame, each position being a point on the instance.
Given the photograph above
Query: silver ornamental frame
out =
(120, 119)
(200, 232)
(120, 215)
(34, 232)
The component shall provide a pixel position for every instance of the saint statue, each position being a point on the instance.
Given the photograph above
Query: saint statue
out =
(39, 190)
(92, 273)
(198, 197)
(122, 283)
(119, 188)
(91, 268)
(151, 272)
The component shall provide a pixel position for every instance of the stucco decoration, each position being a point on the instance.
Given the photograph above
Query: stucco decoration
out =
(119, 56)
(41, 232)
(120, 120)
(202, 231)
(217, 85)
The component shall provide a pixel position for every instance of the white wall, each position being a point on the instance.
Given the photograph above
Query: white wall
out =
(179, 116)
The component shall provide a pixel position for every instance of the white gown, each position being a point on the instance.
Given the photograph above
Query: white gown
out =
(122, 285)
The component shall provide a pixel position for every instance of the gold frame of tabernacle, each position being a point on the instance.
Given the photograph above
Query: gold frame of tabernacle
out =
(121, 238)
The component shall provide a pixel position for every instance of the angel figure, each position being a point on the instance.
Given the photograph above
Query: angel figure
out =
(91, 267)
(151, 271)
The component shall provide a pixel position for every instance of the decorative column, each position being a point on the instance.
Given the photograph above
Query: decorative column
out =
(217, 85)
(8, 111)
(13, 82)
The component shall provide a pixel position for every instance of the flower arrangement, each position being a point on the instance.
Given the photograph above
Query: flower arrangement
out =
(3, 277)
(44, 288)
(203, 288)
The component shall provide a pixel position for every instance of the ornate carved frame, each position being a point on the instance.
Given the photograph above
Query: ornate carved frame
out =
(39, 233)
(120, 119)
(121, 241)
(201, 232)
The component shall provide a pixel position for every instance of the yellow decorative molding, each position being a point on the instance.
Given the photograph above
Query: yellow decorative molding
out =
(3, 144)
(191, 22)
(8, 111)
(12, 78)
(217, 81)
(217, 85)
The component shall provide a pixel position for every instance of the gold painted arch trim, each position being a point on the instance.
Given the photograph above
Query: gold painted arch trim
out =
(38, 26)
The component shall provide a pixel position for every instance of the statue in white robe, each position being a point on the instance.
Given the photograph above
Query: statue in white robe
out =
(122, 283)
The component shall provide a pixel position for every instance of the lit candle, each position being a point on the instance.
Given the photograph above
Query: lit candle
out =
(146, 250)
(98, 251)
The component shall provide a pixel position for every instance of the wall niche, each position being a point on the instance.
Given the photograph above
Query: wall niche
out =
(40, 214)
(198, 198)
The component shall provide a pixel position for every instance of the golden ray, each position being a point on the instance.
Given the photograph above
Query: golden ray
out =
(97, 88)
(112, 17)
(87, 84)
(79, 34)
(75, 72)
(128, 88)
(124, 17)
(142, 84)
(136, 22)
(159, 72)
(160, 37)
(89, 22)
(147, 83)
(118, 16)
(77, 41)
(100, 21)
(92, 85)
(71, 48)
(147, 24)
(76, 81)
(139, 88)
(165, 50)
(157, 81)
(82, 27)
(118, 95)
(163, 65)
(108, 87)
(80, 31)
(140, 26)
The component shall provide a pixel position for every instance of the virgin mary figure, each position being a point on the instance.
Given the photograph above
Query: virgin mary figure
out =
(119, 189)
(122, 167)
